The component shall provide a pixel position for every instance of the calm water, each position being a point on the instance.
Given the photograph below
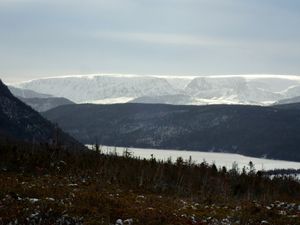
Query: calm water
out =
(220, 159)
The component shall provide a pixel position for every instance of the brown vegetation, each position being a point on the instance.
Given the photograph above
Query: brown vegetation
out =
(44, 185)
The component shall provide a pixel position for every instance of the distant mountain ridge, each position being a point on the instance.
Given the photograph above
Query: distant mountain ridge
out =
(20, 122)
(91, 89)
(38, 101)
(201, 90)
(45, 104)
(25, 93)
(272, 132)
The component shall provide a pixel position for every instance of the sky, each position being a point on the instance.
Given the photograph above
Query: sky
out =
(40, 38)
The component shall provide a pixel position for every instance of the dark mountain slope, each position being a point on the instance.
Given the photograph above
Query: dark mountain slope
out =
(250, 130)
(290, 106)
(20, 122)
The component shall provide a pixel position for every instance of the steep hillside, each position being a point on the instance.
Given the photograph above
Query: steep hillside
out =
(20, 122)
(249, 130)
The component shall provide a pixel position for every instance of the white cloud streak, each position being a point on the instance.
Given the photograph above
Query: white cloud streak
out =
(162, 38)
(168, 39)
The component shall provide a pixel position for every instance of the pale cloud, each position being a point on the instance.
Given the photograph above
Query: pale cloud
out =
(162, 38)
(165, 39)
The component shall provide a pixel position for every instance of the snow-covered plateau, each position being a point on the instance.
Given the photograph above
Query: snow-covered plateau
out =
(219, 159)
(186, 90)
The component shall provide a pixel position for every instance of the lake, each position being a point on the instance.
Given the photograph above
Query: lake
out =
(220, 159)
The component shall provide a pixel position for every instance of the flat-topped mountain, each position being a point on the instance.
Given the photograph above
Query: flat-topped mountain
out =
(197, 90)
